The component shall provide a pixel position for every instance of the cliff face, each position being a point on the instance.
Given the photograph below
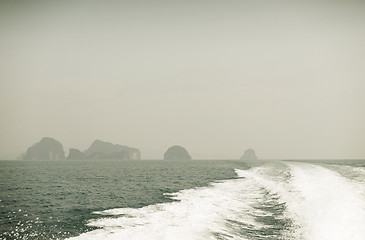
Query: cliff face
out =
(106, 150)
(177, 153)
(46, 149)
(75, 154)
(249, 155)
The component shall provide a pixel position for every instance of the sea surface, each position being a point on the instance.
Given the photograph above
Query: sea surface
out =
(276, 200)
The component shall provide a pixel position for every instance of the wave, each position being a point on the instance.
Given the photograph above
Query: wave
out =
(274, 201)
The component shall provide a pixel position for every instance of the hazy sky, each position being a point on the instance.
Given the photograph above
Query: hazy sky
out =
(217, 77)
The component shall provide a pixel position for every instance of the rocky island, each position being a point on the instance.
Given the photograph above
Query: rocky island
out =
(249, 155)
(46, 149)
(76, 154)
(177, 153)
(51, 149)
(106, 150)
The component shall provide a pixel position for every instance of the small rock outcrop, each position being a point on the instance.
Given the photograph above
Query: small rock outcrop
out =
(107, 150)
(75, 154)
(46, 149)
(177, 153)
(249, 155)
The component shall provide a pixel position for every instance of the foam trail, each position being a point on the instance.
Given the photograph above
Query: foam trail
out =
(220, 211)
(327, 206)
(274, 201)
(321, 202)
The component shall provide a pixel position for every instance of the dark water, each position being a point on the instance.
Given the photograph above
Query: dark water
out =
(55, 199)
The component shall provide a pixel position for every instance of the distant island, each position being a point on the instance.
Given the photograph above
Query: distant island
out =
(177, 153)
(249, 155)
(106, 150)
(46, 149)
(51, 149)
(76, 154)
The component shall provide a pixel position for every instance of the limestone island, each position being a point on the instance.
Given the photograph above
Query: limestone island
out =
(76, 154)
(106, 150)
(51, 149)
(177, 153)
(46, 149)
(249, 155)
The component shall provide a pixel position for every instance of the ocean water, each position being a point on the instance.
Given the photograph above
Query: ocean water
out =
(57, 199)
(306, 200)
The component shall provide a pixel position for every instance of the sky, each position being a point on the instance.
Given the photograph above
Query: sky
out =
(286, 78)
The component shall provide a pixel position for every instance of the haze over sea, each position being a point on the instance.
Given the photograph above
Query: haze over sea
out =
(228, 199)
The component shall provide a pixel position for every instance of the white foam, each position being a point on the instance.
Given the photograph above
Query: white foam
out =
(329, 206)
(198, 214)
(321, 203)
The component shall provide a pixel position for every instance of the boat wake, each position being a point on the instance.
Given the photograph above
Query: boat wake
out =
(277, 200)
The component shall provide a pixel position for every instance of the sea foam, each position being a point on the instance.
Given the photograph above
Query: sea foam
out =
(200, 213)
(313, 202)
(329, 205)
